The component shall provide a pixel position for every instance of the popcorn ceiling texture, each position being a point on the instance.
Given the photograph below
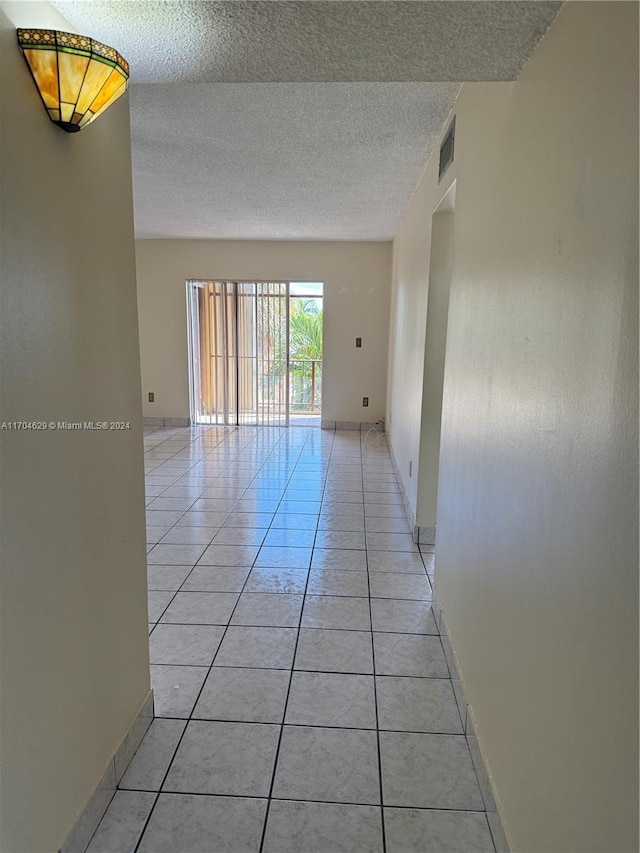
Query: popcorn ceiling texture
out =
(316, 42)
(296, 120)
(298, 161)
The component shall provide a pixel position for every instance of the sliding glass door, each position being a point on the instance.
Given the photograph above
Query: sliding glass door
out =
(239, 353)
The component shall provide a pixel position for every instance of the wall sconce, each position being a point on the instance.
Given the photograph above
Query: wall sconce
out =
(77, 77)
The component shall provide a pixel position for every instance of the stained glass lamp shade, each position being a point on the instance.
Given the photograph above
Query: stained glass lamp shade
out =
(77, 77)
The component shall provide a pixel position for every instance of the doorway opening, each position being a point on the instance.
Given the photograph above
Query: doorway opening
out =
(255, 352)
(440, 265)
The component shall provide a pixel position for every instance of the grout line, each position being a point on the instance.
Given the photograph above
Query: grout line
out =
(226, 628)
(286, 702)
(286, 669)
(293, 800)
(438, 733)
(306, 627)
(175, 751)
(375, 692)
(274, 458)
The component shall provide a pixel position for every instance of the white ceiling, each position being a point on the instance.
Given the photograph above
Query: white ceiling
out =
(296, 120)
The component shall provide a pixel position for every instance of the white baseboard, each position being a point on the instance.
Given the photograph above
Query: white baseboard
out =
(78, 839)
(405, 497)
(175, 422)
(485, 780)
(358, 426)
(424, 535)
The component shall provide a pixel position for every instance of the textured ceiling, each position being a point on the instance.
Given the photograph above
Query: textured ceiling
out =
(296, 120)
(286, 160)
(315, 41)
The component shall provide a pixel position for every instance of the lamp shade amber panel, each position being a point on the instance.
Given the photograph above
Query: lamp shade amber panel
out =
(77, 77)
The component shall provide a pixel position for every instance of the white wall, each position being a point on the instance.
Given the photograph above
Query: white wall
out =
(357, 284)
(440, 259)
(537, 540)
(73, 610)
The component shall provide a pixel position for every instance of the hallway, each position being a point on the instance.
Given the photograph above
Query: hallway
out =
(303, 701)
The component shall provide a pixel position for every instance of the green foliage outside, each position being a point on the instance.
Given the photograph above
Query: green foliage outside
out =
(305, 342)
(305, 330)
(305, 352)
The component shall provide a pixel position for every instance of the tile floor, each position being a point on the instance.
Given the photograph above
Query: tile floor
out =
(303, 701)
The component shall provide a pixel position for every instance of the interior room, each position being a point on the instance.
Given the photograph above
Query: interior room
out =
(374, 588)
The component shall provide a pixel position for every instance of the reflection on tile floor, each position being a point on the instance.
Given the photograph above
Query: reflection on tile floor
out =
(303, 699)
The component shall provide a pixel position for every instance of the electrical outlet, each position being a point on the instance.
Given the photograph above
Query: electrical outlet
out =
(365, 401)
(358, 342)
(152, 397)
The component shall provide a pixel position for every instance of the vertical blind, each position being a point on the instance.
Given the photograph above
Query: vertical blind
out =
(239, 340)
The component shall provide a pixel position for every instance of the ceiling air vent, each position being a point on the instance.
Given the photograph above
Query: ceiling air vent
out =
(446, 150)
